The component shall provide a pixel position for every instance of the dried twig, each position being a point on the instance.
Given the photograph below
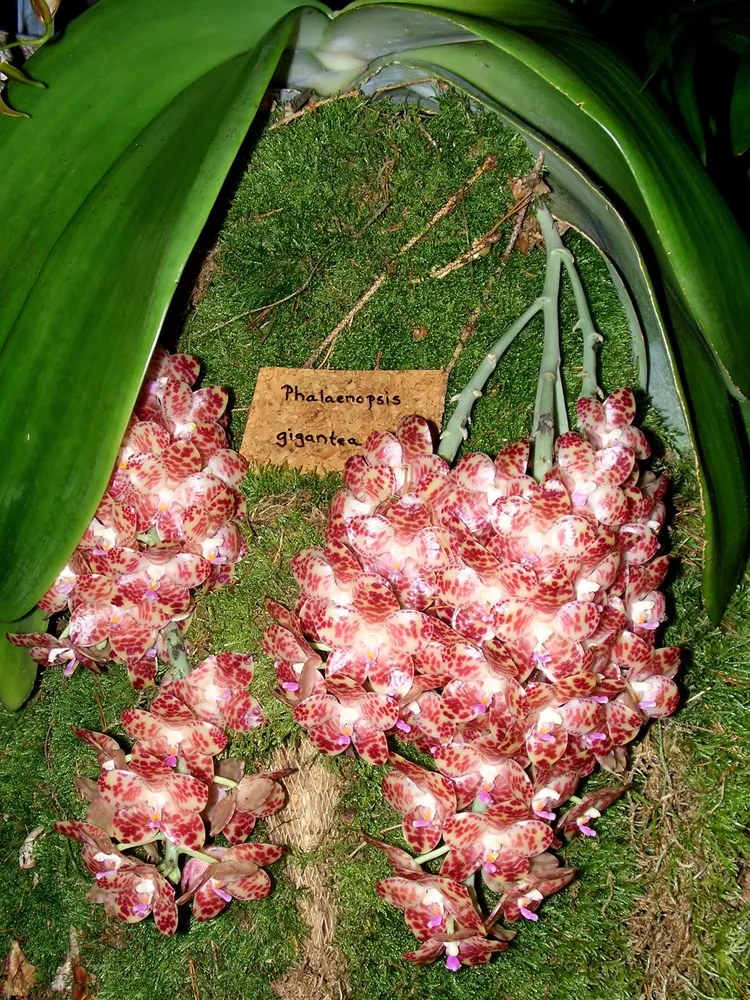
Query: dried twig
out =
(329, 342)
(333, 336)
(313, 105)
(466, 332)
(194, 979)
(519, 210)
(269, 306)
(480, 246)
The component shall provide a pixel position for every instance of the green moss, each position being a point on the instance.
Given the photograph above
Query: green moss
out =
(338, 193)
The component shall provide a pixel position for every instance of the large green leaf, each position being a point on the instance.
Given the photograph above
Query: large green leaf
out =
(577, 92)
(17, 670)
(74, 358)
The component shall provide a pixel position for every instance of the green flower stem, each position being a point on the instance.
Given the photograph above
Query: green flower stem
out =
(550, 410)
(198, 854)
(437, 853)
(31, 42)
(561, 409)
(178, 661)
(591, 338)
(455, 432)
(547, 392)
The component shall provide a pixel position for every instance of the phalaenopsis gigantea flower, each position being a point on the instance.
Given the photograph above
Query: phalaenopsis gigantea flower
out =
(149, 809)
(166, 529)
(503, 625)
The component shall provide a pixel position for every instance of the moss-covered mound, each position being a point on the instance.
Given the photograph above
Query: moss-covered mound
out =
(324, 207)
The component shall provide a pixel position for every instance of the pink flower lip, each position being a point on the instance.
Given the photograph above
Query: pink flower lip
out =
(529, 914)
(479, 709)
(452, 963)
(170, 760)
(290, 686)
(489, 867)
(597, 736)
(403, 726)
(421, 822)
(546, 737)
(544, 814)
(587, 831)
(222, 894)
(485, 797)
(434, 922)
(343, 741)
(600, 699)
(646, 705)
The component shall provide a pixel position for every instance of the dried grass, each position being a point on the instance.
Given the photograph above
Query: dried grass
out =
(661, 923)
(308, 822)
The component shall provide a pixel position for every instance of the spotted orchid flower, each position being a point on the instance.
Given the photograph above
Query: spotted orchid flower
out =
(113, 525)
(424, 799)
(129, 890)
(236, 874)
(170, 729)
(499, 841)
(521, 898)
(216, 692)
(295, 661)
(353, 718)
(432, 905)
(610, 423)
(649, 674)
(58, 596)
(149, 799)
(391, 464)
(579, 819)
(50, 651)
(473, 949)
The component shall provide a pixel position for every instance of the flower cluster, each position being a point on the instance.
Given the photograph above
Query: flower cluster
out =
(506, 627)
(166, 528)
(158, 799)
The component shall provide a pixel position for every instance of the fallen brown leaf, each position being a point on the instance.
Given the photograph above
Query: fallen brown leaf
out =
(20, 974)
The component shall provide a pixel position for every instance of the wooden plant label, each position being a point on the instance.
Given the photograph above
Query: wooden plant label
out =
(315, 419)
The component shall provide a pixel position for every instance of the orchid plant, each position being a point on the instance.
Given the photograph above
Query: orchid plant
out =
(498, 617)
(501, 623)
(145, 829)
(166, 530)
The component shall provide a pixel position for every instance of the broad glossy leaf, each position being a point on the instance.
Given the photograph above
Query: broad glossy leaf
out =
(577, 93)
(17, 669)
(116, 68)
(73, 359)
(723, 473)
(686, 97)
